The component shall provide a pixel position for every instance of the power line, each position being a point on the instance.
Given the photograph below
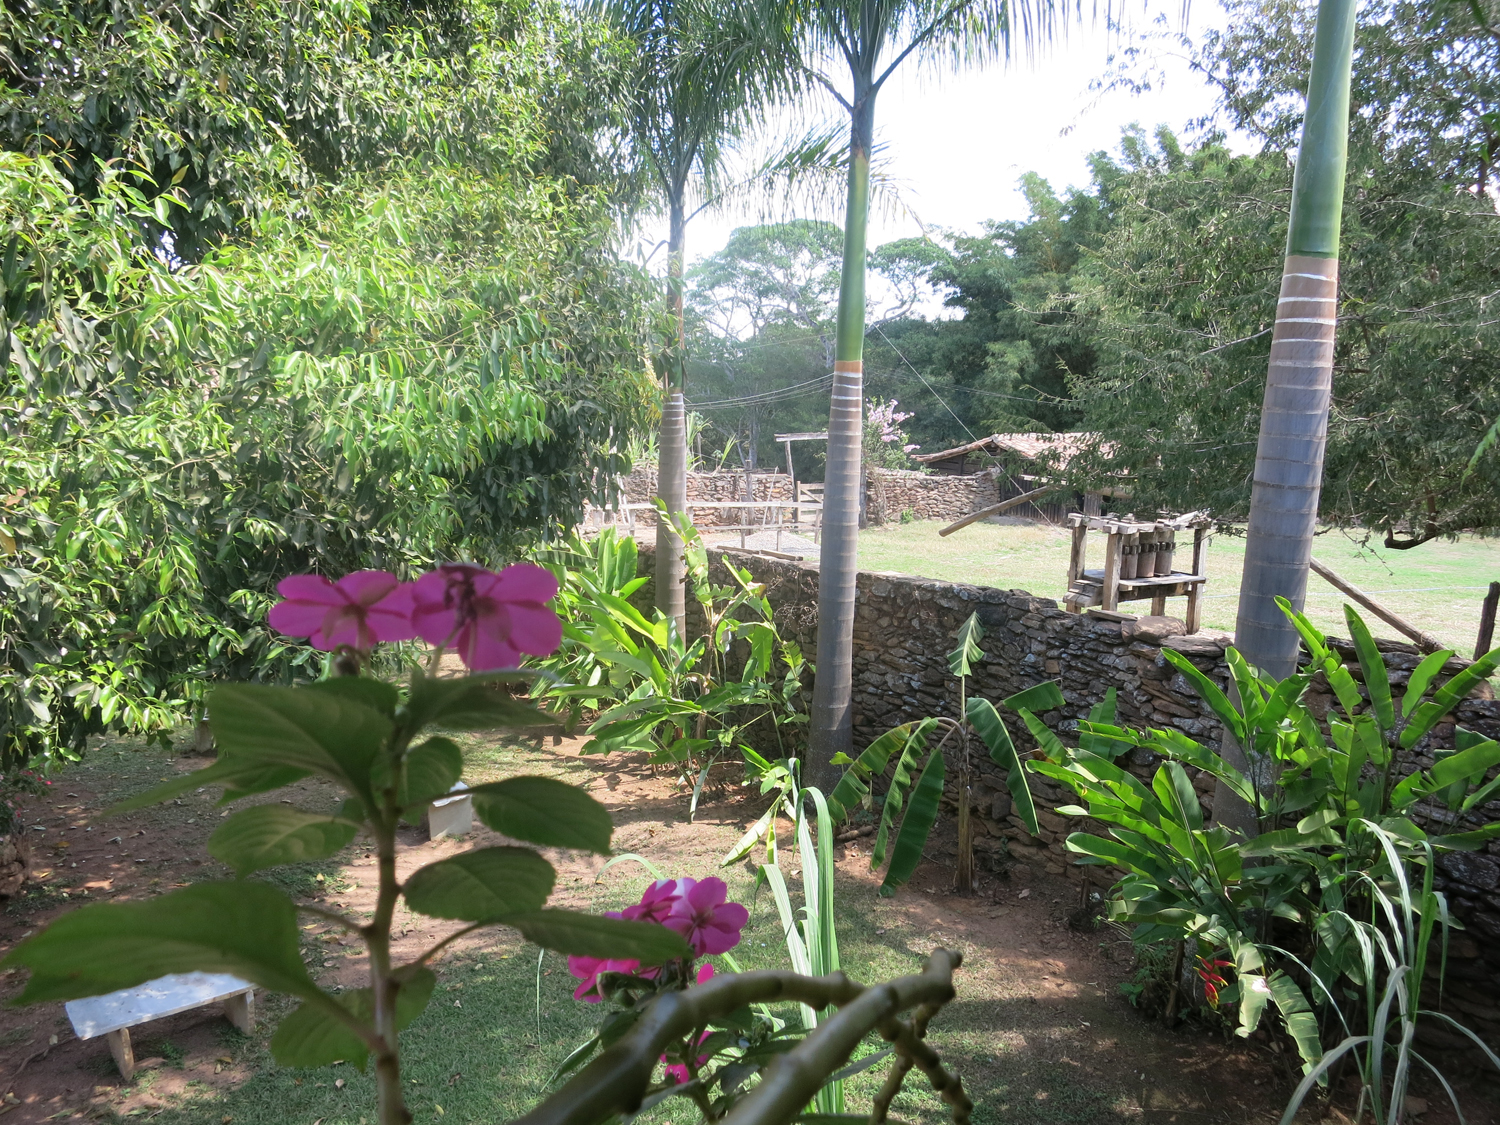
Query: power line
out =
(925, 383)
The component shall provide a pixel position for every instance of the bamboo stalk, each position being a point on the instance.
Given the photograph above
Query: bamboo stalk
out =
(996, 509)
(1424, 641)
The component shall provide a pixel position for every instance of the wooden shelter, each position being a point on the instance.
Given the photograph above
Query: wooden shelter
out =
(1021, 463)
(1140, 561)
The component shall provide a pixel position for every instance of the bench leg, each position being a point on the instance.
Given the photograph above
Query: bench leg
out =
(1158, 604)
(119, 1046)
(240, 1011)
(1194, 606)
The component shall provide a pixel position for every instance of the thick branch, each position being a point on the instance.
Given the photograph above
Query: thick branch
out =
(791, 1080)
(617, 1081)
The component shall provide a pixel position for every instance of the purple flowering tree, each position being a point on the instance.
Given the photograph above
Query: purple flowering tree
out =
(886, 442)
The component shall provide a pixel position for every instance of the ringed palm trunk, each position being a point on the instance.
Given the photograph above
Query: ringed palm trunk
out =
(1299, 382)
(671, 467)
(831, 730)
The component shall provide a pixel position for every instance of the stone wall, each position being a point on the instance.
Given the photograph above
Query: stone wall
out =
(889, 493)
(904, 628)
(640, 488)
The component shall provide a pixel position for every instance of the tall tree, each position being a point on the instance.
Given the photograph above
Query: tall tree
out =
(699, 68)
(872, 38)
(1299, 380)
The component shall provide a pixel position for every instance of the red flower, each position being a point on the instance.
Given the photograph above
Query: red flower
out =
(358, 610)
(678, 1072)
(589, 969)
(489, 619)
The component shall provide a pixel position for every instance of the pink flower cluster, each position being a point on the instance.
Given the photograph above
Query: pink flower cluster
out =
(694, 908)
(489, 619)
(886, 421)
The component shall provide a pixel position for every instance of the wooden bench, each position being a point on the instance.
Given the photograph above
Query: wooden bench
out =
(451, 816)
(114, 1013)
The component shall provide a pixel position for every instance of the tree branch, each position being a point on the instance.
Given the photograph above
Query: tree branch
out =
(617, 1081)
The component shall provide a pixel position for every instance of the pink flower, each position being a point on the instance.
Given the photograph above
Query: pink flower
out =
(709, 924)
(489, 619)
(358, 610)
(678, 1072)
(589, 969)
(657, 903)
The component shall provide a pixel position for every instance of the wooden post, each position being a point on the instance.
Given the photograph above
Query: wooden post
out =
(1111, 593)
(1425, 641)
(1076, 555)
(996, 509)
(120, 1048)
(1194, 616)
(1200, 550)
(1486, 639)
(1159, 603)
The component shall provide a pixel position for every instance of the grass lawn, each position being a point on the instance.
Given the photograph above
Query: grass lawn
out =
(1437, 586)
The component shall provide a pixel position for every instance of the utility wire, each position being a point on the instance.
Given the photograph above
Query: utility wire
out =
(925, 383)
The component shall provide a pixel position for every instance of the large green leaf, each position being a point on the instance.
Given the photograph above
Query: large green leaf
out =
(377, 695)
(1449, 696)
(1102, 714)
(916, 825)
(591, 935)
(481, 885)
(267, 835)
(1421, 679)
(238, 777)
(245, 928)
(1038, 699)
(1210, 693)
(987, 723)
(908, 763)
(1299, 1018)
(323, 732)
(472, 702)
(967, 652)
(1372, 664)
(432, 769)
(314, 1036)
(542, 810)
(1466, 764)
(853, 787)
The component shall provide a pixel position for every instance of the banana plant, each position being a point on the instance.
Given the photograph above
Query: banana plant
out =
(916, 786)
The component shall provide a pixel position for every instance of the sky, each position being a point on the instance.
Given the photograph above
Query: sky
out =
(956, 146)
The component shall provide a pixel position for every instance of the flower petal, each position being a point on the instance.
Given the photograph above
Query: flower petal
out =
(366, 587)
(525, 582)
(309, 588)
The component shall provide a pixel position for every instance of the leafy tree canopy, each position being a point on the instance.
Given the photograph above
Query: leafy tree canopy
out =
(1180, 293)
(408, 341)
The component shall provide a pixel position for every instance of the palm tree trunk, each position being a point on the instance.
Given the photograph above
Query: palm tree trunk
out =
(831, 730)
(1299, 382)
(671, 465)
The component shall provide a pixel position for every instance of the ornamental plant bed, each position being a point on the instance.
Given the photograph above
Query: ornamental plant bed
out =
(1040, 1031)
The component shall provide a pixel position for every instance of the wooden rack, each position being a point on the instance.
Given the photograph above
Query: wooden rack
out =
(1139, 560)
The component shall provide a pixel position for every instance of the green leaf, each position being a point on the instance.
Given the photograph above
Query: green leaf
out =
(853, 788)
(962, 659)
(1102, 714)
(432, 769)
(239, 776)
(1051, 745)
(1038, 699)
(1377, 678)
(1210, 693)
(1421, 679)
(313, 1036)
(377, 695)
(299, 728)
(245, 928)
(902, 778)
(916, 825)
(472, 703)
(990, 727)
(481, 885)
(268, 835)
(542, 810)
(1466, 764)
(591, 935)
(1448, 697)
(1299, 1018)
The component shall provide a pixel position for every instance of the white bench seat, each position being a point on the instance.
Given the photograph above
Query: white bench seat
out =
(114, 1013)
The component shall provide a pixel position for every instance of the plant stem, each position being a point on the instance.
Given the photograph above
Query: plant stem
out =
(383, 986)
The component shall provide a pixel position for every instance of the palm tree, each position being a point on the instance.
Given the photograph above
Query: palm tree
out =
(873, 38)
(698, 70)
(1294, 416)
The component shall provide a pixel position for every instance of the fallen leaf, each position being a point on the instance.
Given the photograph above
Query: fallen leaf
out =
(1024, 893)
(338, 1083)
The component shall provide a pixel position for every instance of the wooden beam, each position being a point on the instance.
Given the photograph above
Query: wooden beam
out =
(1424, 641)
(996, 509)
(1487, 621)
(1110, 594)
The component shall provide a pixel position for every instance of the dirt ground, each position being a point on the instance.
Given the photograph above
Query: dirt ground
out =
(1048, 990)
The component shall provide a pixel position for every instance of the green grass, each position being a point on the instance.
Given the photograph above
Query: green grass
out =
(1437, 586)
